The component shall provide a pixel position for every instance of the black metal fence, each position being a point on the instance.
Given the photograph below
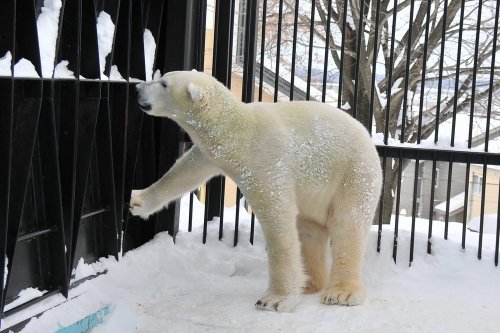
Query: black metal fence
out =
(424, 78)
(73, 148)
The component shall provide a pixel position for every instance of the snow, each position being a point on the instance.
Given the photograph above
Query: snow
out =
(6, 270)
(24, 68)
(191, 287)
(149, 53)
(62, 71)
(24, 296)
(47, 26)
(84, 270)
(5, 63)
(105, 31)
(456, 202)
(489, 224)
(115, 74)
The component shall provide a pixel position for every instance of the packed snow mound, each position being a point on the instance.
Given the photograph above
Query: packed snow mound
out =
(489, 224)
(192, 287)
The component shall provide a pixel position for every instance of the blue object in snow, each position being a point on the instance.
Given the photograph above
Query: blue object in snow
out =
(86, 324)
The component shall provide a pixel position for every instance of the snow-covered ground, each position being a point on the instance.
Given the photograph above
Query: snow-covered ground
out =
(191, 287)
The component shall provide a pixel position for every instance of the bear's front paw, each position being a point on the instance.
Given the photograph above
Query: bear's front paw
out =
(279, 303)
(344, 293)
(138, 204)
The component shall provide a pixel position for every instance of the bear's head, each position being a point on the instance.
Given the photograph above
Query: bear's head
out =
(177, 95)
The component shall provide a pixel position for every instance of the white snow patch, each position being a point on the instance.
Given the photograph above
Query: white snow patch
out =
(6, 271)
(84, 270)
(149, 53)
(105, 32)
(62, 71)
(24, 296)
(5, 64)
(24, 68)
(191, 287)
(489, 224)
(115, 75)
(47, 26)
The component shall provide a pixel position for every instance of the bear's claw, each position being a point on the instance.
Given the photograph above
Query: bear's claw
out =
(278, 303)
(343, 294)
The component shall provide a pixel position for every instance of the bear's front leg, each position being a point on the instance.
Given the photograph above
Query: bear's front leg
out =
(186, 174)
(286, 273)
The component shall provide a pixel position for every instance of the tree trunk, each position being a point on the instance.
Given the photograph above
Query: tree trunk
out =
(387, 197)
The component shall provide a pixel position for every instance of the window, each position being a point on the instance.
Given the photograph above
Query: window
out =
(477, 184)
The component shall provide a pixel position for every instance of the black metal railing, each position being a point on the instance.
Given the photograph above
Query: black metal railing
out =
(74, 147)
(412, 78)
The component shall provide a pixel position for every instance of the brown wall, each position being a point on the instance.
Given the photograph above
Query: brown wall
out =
(491, 194)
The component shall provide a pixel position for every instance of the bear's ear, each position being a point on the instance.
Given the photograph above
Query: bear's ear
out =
(195, 92)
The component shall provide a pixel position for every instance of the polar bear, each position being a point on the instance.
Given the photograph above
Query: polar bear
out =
(309, 171)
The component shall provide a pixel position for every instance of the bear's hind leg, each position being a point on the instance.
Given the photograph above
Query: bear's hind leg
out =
(345, 286)
(348, 227)
(313, 241)
(349, 223)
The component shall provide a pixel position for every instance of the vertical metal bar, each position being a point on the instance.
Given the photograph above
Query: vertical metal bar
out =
(398, 200)
(440, 77)
(205, 215)
(424, 71)
(221, 217)
(466, 201)
(431, 209)
(457, 72)
(311, 46)
(374, 65)
(391, 65)
(342, 54)
(474, 72)
(497, 236)
(294, 48)
(492, 76)
(7, 44)
(327, 50)
(407, 72)
(481, 217)
(448, 196)
(381, 204)
(414, 208)
(190, 220)
(252, 228)
(278, 52)
(359, 37)
(223, 41)
(250, 48)
(237, 217)
(222, 71)
(262, 49)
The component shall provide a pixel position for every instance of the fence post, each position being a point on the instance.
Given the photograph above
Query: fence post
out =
(180, 48)
(222, 62)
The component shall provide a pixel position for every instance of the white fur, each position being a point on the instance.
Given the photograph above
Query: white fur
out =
(309, 171)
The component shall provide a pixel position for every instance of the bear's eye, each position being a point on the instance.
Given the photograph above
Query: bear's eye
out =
(163, 84)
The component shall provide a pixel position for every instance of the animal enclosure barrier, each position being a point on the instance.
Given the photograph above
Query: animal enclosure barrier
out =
(73, 140)
(423, 77)
(435, 125)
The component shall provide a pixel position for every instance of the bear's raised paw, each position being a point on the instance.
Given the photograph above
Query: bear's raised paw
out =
(139, 206)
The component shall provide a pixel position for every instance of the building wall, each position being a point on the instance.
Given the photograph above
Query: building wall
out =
(491, 194)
